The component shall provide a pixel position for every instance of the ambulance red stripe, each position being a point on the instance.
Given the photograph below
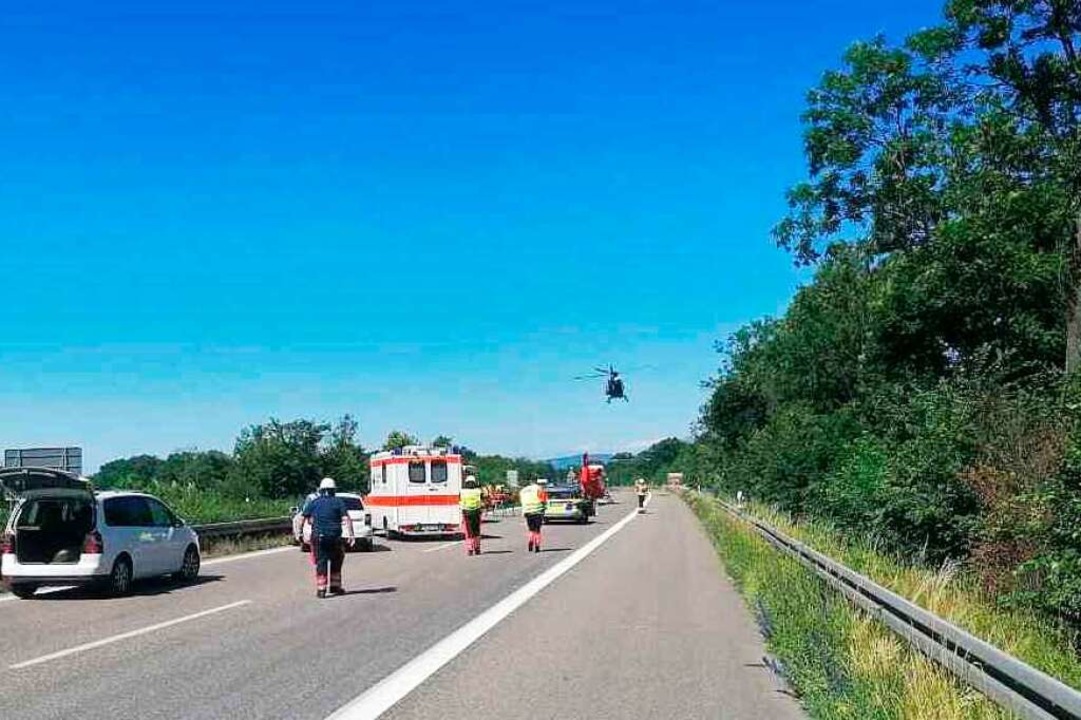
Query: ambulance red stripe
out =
(406, 459)
(409, 500)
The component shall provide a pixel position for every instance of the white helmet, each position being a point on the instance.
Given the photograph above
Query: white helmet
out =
(328, 484)
(542, 481)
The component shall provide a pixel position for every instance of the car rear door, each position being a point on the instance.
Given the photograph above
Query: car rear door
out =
(130, 527)
(170, 541)
(414, 506)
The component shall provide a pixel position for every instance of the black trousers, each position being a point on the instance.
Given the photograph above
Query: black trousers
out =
(641, 501)
(534, 521)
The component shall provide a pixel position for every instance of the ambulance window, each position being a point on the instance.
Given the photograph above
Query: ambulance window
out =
(416, 471)
(439, 471)
(384, 473)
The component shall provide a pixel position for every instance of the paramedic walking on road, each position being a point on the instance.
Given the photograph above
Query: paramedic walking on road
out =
(472, 504)
(326, 513)
(533, 499)
(641, 488)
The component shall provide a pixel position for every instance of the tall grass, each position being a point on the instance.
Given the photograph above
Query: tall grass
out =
(843, 665)
(950, 593)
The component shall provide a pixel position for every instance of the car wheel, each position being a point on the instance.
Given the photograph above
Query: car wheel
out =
(189, 569)
(119, 583)
(24, 592)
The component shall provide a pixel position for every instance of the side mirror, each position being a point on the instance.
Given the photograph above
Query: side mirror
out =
(179, 522)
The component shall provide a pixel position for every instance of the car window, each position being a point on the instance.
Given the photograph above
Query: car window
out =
(439, 471)
(416, 471)
(160, 515)
(353, 503)
(128, 511)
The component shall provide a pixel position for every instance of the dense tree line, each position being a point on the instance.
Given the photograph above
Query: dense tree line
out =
(921, 390)
(285, 461)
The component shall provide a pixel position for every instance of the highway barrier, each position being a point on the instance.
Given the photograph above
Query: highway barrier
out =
(1011, 683)
(241, 528)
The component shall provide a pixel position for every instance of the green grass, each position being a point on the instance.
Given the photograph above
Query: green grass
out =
(199, 507)
(949, 593)
(843, 665)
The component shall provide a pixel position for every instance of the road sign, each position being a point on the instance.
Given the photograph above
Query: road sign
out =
(65, 458)
(512, 478)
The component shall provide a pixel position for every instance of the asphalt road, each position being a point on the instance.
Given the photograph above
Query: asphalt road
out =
(645, 624)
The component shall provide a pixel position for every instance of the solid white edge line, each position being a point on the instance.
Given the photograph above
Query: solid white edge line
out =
(124, 636)
(249, 555)
(388, 692)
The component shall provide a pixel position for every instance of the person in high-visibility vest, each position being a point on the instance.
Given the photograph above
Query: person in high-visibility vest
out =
(471, 501)
(534, 499)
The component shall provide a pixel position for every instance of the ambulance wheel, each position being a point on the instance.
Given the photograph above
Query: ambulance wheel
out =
(24, 592)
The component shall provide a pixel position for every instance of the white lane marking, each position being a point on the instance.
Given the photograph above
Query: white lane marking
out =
(249, 555)
(43, 591)
(444, 546)
(125, 636)
(389, 691)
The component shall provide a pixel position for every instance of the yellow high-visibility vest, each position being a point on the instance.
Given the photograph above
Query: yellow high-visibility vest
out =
(470, 499)
(531, 500)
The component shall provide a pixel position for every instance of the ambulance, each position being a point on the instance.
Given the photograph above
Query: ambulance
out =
(415, 491)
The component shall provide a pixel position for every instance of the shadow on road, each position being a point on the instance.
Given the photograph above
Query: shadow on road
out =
(141, 588)
(372, 591)
(547, 550)
(496, 552)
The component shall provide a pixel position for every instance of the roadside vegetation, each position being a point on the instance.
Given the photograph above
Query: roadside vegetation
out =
(273, 467)
(842, 664)
(921, 393)
(949, 592)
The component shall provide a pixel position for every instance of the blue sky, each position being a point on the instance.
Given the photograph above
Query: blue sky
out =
(430, 215)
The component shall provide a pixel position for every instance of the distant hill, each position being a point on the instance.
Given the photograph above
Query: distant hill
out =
(573, 461)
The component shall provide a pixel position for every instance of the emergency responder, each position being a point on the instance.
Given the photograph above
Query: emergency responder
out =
(641, 488)
(534, 499)
(327, 514)
(472, 504)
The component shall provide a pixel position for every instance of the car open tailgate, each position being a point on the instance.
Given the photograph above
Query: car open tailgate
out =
(24, 482)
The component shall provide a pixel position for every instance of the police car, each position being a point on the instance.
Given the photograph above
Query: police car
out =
(358, 515)
(565, 502)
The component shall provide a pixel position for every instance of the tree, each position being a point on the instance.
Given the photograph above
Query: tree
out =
(1026, 59)
(397, 440)
(280, 460)
(442, 441)
(875, 142)
(127, 471)
(343, 458)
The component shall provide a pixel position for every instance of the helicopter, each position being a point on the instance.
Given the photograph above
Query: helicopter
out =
(613, 387)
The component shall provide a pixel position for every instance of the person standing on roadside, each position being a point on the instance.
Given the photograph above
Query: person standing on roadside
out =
(534, 499)
(471, 501)
(328, 514)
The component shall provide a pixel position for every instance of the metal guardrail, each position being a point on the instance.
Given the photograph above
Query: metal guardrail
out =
(244, 527)
(1009, 682)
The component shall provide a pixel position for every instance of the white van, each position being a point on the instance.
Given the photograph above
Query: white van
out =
(415, 491)
(60, 533)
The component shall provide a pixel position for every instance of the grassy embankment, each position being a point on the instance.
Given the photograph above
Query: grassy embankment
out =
(845, 665)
